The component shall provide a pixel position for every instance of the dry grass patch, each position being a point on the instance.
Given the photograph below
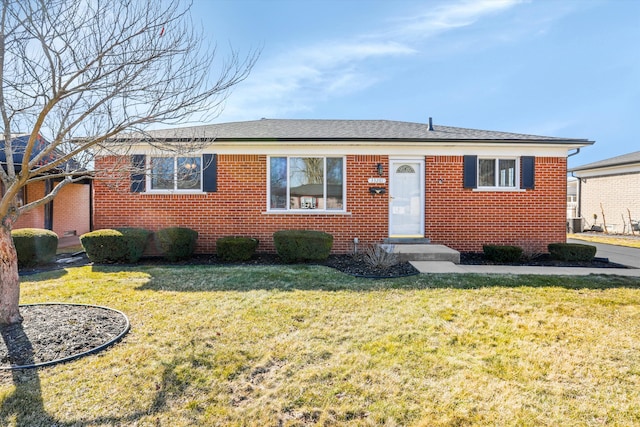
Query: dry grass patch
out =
(301, 345)
(632, 241)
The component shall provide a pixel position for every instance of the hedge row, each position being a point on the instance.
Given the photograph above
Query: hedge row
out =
(126, 245)
(559, 251)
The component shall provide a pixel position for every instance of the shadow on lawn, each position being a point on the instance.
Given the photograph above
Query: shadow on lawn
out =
(25, 405)
(319, 278)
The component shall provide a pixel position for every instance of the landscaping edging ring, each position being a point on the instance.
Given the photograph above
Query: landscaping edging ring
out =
(121, 321)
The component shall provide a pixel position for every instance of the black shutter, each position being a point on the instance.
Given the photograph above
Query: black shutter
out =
(210, 173)
(470, 174)
(138, 178)
(528, 172)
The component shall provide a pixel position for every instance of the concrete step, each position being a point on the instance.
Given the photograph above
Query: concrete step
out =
(407, 241)
(422, 252)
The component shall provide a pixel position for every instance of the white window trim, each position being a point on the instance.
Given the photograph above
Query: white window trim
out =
(496, 178)
(175, 190)
(308, 211)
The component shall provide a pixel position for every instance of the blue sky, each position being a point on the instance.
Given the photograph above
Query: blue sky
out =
(548, 67)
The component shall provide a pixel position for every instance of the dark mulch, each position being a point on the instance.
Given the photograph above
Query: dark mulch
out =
(345, 263)
(51, 332)
(543, 260)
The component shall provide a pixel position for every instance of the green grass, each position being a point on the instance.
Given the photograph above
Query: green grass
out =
(306, 345)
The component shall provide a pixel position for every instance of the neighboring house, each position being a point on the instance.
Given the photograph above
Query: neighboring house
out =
(609, 193)
(572, 198)
(360, 180)
(69, 214)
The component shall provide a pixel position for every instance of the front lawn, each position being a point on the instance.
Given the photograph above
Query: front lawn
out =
(306, 345)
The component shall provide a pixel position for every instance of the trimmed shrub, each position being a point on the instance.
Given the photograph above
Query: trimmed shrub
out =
(35, 246)
(108, 246)
(105, 246)
(136, 240)
(234, 248)
(572, 251)
(302, 245)
(502, 253)
(176, 243)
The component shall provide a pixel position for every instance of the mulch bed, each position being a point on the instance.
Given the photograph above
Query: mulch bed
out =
(344, 263)
(543, 260)
(58, 332)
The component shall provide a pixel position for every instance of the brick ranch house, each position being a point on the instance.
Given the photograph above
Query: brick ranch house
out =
(356, 179)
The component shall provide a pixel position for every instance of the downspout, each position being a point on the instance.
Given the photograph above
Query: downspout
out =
(573, 154)
(578, 188)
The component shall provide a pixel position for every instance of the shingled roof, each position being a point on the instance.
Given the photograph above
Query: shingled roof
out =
(623, 160)
(304, 130)
(18, 148)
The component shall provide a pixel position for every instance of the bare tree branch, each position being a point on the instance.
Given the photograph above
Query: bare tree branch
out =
(78, 74)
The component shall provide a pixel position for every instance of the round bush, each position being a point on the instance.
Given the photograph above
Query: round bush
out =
(176, 243)
(35, 246)
(105, 246)
(136, 240)
(235, 248)
(302, 245)
(502, 253)
(572, 251)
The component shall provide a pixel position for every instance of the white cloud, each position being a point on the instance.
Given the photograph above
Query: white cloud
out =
(296, 80)
(449, 16)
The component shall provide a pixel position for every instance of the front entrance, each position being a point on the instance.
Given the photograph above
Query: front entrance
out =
(406, 198)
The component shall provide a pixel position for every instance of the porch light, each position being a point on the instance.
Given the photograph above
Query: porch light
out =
(380, 169)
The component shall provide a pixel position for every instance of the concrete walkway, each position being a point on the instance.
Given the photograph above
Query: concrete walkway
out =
(617, 254)
(449, 267)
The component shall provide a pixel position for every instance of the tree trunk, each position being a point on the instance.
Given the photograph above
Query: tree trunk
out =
(9, 279)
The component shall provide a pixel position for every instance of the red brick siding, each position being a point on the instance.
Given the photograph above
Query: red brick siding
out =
(70, 209)
(465, 219)
(240, 204)
(455, 216)
(71, 212)
(35, 217)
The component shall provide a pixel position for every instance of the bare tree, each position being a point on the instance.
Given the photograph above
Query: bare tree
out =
(77, 73)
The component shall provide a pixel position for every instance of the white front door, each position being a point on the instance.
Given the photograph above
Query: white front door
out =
(406, 198)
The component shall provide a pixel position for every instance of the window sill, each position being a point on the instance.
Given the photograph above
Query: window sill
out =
(306, 212)
(173, 193)
(499, 190)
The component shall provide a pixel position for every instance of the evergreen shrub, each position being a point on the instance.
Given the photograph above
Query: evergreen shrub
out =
(121, 245)
(502, 253)
(302, 245)
(234, 248)
(35, 246)
(572, 251)
(176, 243)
